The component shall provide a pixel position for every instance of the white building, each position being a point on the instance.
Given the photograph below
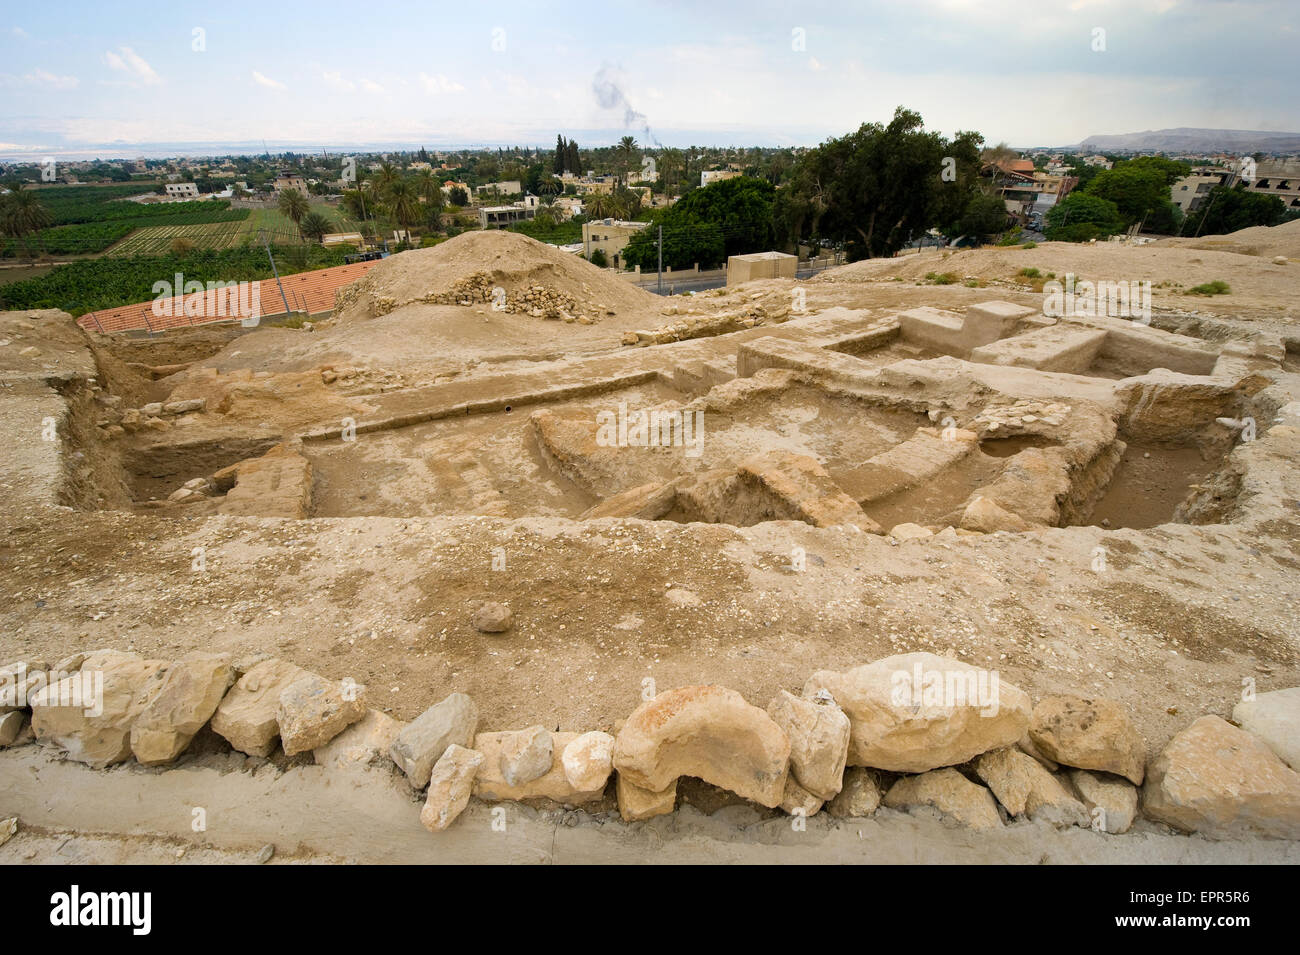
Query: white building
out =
(497, 217)
(182, 190)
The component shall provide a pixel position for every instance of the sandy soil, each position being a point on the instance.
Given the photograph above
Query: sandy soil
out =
(131, 815)
(1178, 619)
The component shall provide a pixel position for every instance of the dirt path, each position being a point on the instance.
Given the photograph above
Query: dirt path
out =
(133, 815)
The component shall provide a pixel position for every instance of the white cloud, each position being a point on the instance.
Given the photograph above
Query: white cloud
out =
(439, 84)
(266, 81)
(20, 33)
(335, 81)
(815, 64)
(40, 78)
(127, 61)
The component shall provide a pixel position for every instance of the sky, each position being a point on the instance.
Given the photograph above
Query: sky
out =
(114, 79)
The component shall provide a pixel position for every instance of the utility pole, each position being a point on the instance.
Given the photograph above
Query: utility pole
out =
(661, 258)
(274, 271)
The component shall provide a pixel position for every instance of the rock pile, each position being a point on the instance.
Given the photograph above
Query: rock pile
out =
(913, 732)
(1020, 417)
(540, 301)
(113, 421)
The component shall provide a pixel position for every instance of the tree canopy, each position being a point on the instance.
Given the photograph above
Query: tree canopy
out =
(1140, 190)
(730, 217)
(1081, 216)
(1227, 210)
(879, 187)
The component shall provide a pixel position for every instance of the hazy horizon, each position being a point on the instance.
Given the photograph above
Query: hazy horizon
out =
(166, 80)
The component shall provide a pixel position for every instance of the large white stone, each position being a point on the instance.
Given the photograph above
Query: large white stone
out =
(916, 711)
(1275, 718)
(451, 784)
(89, 714)
(708, 732)
(1216, 779)
(190, 693)
(819, 741)
(247, 714)
(422, 741)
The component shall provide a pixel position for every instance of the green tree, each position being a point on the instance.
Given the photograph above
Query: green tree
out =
(294, 205)
(22, 216)
(627, 202)
(314, 226)
(600, 206)
(402, 202)
(384, 179)
(731, 217)
(672, 168)
(1140, 191)
(558, 163)
(878, 187)
(1227, 210)
(458, 196)
(1080, 217)
(628, 155)
(427, 186)
(358, 203)
(984, 215)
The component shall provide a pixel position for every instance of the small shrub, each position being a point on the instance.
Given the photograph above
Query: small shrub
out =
(1029, 273)
(1217, 287)
(941, 278)
(1031, 244)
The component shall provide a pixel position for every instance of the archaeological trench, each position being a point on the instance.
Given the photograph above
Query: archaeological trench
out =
(429, 552)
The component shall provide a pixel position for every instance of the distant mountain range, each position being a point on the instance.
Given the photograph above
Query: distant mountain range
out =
(1191, 140)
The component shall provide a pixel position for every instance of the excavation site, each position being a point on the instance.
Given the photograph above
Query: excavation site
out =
(507, 533)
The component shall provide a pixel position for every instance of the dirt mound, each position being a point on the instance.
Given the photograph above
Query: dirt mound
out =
(537, 280)
(1266, 241)
(1256, 283)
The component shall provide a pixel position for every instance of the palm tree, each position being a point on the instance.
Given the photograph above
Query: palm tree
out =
(384, 179)
(315, 226)
(673, 164)
(627, 202)
(626, 150)
(427, 185)
(21, 216)
(294, 205)
(599, 206)
(403, 203)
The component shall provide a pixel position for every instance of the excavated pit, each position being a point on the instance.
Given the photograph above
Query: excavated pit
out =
(772, 444)
(495, 464)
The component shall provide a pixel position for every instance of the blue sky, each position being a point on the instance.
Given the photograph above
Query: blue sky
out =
(108, 78)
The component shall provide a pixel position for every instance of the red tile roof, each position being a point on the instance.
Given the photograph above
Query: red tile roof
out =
(311, 292)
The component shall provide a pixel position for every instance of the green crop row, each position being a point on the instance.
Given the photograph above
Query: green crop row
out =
(91, 284)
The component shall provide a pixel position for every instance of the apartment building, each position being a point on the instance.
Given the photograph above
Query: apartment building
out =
(610, 236)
